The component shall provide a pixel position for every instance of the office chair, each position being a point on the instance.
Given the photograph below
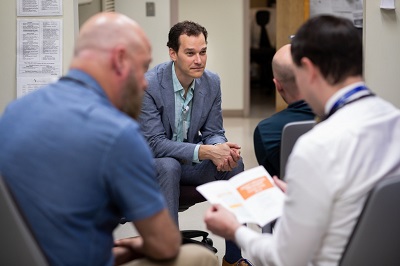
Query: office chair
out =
(190, 196)
(375, 239)
(290, 133)
(18, 245)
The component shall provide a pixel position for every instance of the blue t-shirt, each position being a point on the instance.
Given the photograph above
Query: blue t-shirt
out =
(76, 165)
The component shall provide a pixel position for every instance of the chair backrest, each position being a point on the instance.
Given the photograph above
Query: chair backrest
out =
(18, 246)
(376, 237)
(290, 133)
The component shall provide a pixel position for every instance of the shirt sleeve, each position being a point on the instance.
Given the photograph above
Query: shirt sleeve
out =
(196, 154)
(131, 176)
(307, 212)
(258, 247)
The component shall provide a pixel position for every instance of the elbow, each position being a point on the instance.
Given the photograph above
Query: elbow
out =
(169, 249)
(170, 252)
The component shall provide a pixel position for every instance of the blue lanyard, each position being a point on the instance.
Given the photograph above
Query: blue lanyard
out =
(345, 99)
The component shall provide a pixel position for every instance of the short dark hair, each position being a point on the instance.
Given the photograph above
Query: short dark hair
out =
(333, 44)
(186, 27)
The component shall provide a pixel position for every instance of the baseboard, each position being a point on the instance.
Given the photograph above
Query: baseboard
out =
(233, 113)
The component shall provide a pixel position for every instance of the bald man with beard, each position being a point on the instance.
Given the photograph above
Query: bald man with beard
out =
(73, 156)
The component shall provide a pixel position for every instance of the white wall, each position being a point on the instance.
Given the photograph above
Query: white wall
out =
(227, 53)
(156, 27)
(8, 28)
(88, 10)
(228, 42)
(8, 31)
(224, 19)
(382, 50)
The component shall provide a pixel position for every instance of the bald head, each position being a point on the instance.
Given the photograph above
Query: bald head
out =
(284, 79)
(114, 50)
(106, 30)
(282, 64)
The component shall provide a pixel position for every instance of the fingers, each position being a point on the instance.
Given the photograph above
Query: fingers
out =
(233, 145)
(121, 255)
(124, 242)
(129, 242)
(229, 157)
(211, 212)
(235, 154)
(232, 163)
(280, 183)
(221, 222)
(224, 166)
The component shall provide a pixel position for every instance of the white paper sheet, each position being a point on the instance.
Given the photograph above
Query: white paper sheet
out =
(39, 53)
(39, 8)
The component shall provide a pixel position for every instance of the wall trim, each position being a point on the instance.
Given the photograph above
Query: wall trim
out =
(233, 113)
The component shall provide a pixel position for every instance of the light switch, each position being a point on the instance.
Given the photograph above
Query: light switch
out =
(150, 9)
(387, 4)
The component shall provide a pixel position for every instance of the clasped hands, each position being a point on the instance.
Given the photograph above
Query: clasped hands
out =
(225, 156)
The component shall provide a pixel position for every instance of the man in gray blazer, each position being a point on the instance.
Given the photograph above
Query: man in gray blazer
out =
(182, 119)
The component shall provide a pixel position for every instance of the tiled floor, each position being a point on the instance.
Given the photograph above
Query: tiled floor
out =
(238, 130)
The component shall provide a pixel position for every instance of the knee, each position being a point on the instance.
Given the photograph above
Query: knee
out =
(168, 169)
(196, 255)
(240, 166)
(238, 169)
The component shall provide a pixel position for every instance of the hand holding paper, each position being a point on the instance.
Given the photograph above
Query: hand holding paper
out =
(250, 195)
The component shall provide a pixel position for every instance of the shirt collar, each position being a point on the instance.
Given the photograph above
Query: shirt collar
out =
(296, 104)
(86, 79)
(335, 97)
(176, 83)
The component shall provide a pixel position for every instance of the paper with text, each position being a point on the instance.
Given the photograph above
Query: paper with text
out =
(251, 195)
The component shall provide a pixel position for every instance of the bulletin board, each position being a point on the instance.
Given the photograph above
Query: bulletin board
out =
(350, 9)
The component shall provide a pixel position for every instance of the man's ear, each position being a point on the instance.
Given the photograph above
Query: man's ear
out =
(118, 59)
(309, 68)
(279, 89)
(277, 85)
(172, 54)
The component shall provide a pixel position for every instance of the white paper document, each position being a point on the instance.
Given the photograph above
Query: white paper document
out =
(39, 8)
(39, 53)
(251, 195)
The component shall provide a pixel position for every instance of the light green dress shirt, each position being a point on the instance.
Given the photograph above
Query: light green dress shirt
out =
(183, 111)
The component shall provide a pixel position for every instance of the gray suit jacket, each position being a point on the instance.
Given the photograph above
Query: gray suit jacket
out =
(157, 119)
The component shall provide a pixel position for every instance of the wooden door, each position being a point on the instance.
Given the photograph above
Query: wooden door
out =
(290, 15)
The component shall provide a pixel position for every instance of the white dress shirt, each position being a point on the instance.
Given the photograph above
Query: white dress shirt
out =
(329, 174)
